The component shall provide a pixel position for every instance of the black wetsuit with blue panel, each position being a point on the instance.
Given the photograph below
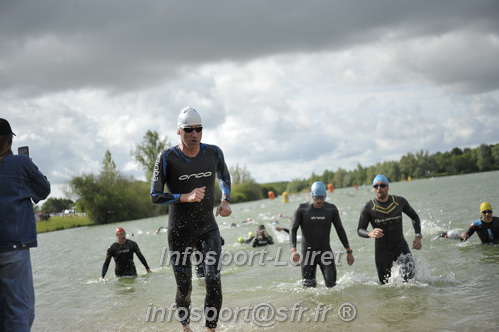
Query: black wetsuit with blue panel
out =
(392, 247)
(193, 223)
(487, 232)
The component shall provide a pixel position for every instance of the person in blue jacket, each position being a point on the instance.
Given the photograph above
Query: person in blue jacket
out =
(487, 227)
(21, 185)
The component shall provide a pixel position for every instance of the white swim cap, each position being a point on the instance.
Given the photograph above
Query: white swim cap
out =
(188, 117)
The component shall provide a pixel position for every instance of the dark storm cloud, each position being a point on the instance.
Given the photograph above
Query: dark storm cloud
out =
(48, 46)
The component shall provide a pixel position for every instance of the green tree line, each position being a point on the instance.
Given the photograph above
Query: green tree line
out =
(111, 197)
(410, 166)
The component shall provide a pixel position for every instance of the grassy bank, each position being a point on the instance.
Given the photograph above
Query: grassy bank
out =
(60, 223)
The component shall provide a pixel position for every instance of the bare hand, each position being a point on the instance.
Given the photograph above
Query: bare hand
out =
(416, 244)
(196, 195)
(464, 235)
(350, 259)
(224, 209)
(295, 257)
(377, 233)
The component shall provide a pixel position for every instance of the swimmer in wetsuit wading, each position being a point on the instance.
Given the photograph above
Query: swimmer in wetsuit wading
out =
(487, 227)
(315, 219)
(384, 213)
(122, 251)
(189, 171)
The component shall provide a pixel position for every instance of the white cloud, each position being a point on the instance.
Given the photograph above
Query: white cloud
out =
(294, 89)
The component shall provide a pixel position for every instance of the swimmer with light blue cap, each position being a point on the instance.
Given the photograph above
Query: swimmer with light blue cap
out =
(380, 178)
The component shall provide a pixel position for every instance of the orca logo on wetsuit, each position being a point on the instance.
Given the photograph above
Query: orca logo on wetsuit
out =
(197, 176)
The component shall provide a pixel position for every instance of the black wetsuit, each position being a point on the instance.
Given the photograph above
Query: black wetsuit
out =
(392, 246)
(487, 232)
(199, 259)
(316, 250)
(249, 239)
(261, 241)
(192, 224)
(123, 258)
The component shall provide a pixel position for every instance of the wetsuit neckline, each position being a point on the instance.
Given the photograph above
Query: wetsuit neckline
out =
(187, 156)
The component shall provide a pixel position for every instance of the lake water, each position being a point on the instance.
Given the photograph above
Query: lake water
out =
(456, 287)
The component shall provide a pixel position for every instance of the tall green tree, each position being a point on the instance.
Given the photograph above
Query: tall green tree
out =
(111, 197)
(109, 166)
(339, 178)
(56, 205)
(146, 153)
(485, 158)
(244, 187)
(495, 155)
(240, 175)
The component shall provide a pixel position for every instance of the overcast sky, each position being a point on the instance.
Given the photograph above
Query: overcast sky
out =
(284, 87)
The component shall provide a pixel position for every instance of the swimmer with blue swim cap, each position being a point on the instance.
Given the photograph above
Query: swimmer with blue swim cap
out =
(315, 219)
(384, 214)
(380, 178)
(318, 189)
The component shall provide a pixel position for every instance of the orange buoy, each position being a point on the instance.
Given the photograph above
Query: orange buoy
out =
(330, 187)
(271, 195)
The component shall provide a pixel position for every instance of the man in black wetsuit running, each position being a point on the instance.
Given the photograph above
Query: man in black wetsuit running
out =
(189, 171)
(122, 251)
(384, 213)
(315, 219)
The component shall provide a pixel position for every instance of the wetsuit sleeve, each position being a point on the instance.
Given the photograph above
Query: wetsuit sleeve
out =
(140, 256)
(297, 219)
(339, 229)
(286, 230)
(473, 227)
(363, 222)
(250, 239)
(416, 223)
(109, 255)
(223, 175)
(158, 195)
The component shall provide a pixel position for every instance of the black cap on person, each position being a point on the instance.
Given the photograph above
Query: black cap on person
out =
(5, 128)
